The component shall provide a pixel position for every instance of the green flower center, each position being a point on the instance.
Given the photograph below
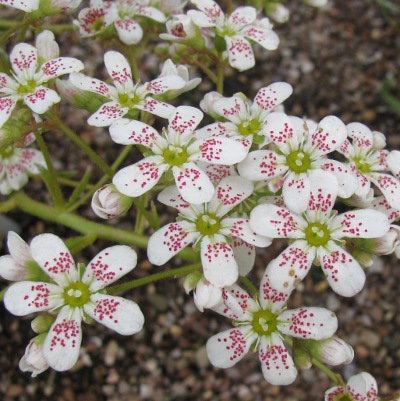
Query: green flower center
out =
(208, 224)
(362, 165)
(175, 156)
(251, 127)
(298, 161)
(97, 24)
(7, 151)
(29, 87)
(77, 294)
(128, 101)
(317, 234)
(264, 322)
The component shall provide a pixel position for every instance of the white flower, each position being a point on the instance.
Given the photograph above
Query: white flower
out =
(368, 163)
(28, 76)
(180, 28)
(278, 12)
(237, 31)
(177, 150)
(361, 387)
(16, 163)
(33, 361)
(333, 351)
(263, 324)
(74, 295)
(107, 202)
(121, 13)
(301, 149)
(319, 234)
(125, 96)
(227, 244)
(246, 122)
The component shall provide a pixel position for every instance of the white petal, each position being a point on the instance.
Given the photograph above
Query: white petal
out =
(230, 192)
(24, 5)
(86, 83)
(332, 393)
(107, 114)
(344, 274)
(227, 348)
(170, 196)
(41, 100)
(241, 228)
(262, 165)
(184, 120)
(16, 176)
(218, 150)
(218, 260)
(28, 296)
(365, 223)
(116, 313)
(193, 183)
(119, 70)
(281, 131)
(132, 132)
(272, 95)
(18, 248)
(296, 192)
(363, 386)
(151, 12)
(276, 363)
(31, 159)
(276, 222)
(163, 84)
(59, 66)
(308, 323)
(240, 53)
(245, 255)
(291, 266)
(211, 9)
(361, 135)
(242, 16)
(63, 342)
(169, 240)
(128, 30)
(156, 107)
(7, 105)
(50, 252)
(230, 108)
(389, 186)
(47, 46)
(139, 178)
(11, 270)
(108, 266)
(24, 60)
(393, 162)
(265, 37)
(216, 172)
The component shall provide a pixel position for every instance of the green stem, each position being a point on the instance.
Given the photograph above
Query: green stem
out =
(2, 292)
(220, 77)
(326, 370)
(13, 29)
(78, 141)
(180, 271)
(52, 182)
(59, 28)
(87, 227)
(250, 286)
(8, 205)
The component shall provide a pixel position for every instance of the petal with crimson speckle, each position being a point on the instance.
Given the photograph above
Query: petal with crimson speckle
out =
(156, 107)
(272, 95)
(265, 37)
(108, 266)
(63, 342)
(41, 100)
(132, 132)
(240, 53)
(116, 313)
(107, 114)
(7, 105)
(128, 30)
(184, 120)
(239, 227)
(93, 85)
(363, 387)
(389, 186)
(24, 60)
(59, 66)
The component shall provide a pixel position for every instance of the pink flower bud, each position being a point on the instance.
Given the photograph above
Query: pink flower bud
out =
(107, 202)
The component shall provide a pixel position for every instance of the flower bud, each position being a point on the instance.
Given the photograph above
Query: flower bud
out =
(333, 351)
(107, 202)
(191, 280)
(301, 356)
(207, 103)
(278, 12)
(206, 295)
(379, 140)
(33, 360)
(42, 323)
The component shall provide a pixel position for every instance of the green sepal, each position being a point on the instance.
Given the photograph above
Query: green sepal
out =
(42, 323)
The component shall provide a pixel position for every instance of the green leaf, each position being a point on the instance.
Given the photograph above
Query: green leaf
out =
(80, 188)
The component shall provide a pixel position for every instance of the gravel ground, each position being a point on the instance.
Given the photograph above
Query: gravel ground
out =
(337, 60)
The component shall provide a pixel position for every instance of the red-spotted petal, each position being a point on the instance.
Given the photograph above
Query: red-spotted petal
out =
(24, 5)
(63, 341)
(119, 70)
(363, 387)
(219, 264)
(230, 192)
(50, 252)
(108, 266)
(216, 172)
(272, 95)
(210, 9)
(241, 228)
(344, 274)
(27, 297)
(128, 30)
(364, 223)
(31, 159)
(59, 66)
(262, 165)
(169, 240)
(41, 100)
(163, 84)
(276, 222)
(93, 85)
(107, 114)
(171, 196)
(245, 255)
(393, 162)
(139, 178)
(240, 53)
(296, 191)
(347, 149)
(242, 16)
(215, 129)
(308, 323)
(116, 313)
(389, 186)
(291, 266)
(329, 136)
(8, 85)
(132, 132)
(193, 183)
(156, 107)
(24, 60)
(230, 108)
(332, 393)
(361, 135)
(382, 205)
(151, 12)
(280, 130)
(7, 105)
(265, 37)
(276, 363)
(227, 348)
(184, 120)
